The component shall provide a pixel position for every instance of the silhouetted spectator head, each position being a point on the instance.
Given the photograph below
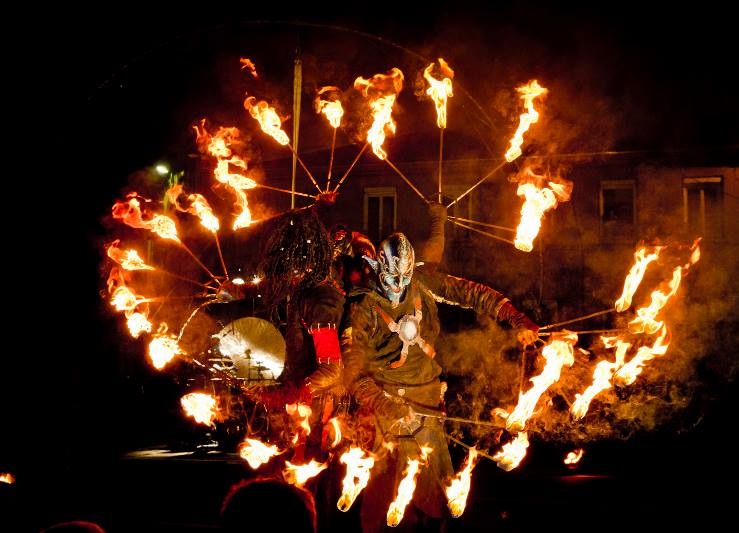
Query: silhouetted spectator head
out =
(76, 526)
(268, 504)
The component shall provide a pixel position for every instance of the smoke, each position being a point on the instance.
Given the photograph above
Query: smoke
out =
(674, 392)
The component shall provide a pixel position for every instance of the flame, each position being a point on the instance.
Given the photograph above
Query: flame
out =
(601, 377)
(163, 348)
(198, 206)
(257, 453)
(626, 375)
(440, 90)
(332, 109)
(406, 488)
(635, 276)
(137, 324)
(300, 412)
(219, 146)
(130, 213)
(336, 427)
(557, 353)
(200, 406)
(124, 299)
(513, 452)
(537, 201)
(299, 474)
(381, 90)
(646, 317)
(7, 477)
(358, 466)
(531, 116)
(459, 489)
(128, 259)
(247, 63)
(268, 119)
(574, 456)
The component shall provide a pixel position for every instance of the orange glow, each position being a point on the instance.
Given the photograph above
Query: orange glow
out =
(459, 489)
(198, 206)
(440, 90)
(130, 214)
(299, 474)
(557, 353)
(635, 276)
(513, 452)
(531, 116)
(128, 259)
(200, 406)
(331, 109)
(573, 457)
(257, 453)
(537, 201)
(7, 477)
(358, 466)
(381, 90)
(248, 64)
(406, 488)
(268, 119)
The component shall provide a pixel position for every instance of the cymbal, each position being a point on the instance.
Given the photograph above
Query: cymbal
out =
(255, 347)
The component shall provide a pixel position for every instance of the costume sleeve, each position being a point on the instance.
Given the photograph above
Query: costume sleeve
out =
(481, 298)
(357, 353)
(432, 250)
(321, 309)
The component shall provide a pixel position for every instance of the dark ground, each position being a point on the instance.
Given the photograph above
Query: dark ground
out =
(652, 481)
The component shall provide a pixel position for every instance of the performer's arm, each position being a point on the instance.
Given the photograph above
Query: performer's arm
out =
(482, 299)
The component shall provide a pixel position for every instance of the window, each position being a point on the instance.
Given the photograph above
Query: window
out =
(380, 212)
(617, 208)
(703, 213)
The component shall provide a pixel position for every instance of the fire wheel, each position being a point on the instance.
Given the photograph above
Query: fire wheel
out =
(183, 249)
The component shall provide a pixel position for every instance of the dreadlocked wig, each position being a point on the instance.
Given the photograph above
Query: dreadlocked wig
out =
(297, 255)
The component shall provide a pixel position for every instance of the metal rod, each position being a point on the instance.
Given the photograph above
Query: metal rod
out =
(482, 232)
(589, 331)
(199, 262)
(220, 254)
(481, 223)
(351, 166)
(467, 446)
(262, 186)
(415, 189)
(304, 167)
(464, 420)
(331, 161)
(441, 150)
(486, 176)
(591, 315)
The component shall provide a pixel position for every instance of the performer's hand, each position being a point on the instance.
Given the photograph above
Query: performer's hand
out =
(527, 336)
(437, 210)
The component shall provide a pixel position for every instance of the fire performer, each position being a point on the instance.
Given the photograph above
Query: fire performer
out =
(388, 350)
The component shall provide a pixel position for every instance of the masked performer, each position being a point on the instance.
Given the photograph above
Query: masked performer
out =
(388, 349)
